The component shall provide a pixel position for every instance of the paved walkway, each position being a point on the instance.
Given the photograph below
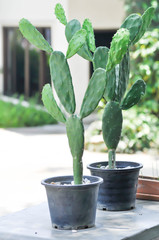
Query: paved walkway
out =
(29, 155)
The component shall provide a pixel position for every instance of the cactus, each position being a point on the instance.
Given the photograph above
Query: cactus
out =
(110, 79)
(116, 62)
(62, 82)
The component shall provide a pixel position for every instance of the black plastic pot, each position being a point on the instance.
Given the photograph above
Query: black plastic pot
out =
(118, 191)
(72, 206)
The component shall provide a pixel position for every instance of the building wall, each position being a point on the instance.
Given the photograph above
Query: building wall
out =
(104, 14)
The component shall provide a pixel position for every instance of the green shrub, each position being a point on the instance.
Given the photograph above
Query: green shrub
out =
(16, 115)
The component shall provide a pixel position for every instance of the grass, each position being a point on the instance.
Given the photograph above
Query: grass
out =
(16, 115)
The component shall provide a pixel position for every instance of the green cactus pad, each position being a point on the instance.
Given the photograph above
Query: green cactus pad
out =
(60, 13)
(109, 93)
(117, 80)
(76, 42)
(100, 57)
(119, 47)
(133, 24)
(75, 134)
(62, 80)
(112, 124)
(122, 77)
(51, 105)
(94, 92)
(71, 28)
(34, 36)
(146, 20)
(87, 25)
(133, 96)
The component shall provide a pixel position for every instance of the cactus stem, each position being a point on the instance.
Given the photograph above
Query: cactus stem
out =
(77, 170)
(111, 157)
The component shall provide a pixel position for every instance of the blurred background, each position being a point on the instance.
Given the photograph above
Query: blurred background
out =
(24, 70)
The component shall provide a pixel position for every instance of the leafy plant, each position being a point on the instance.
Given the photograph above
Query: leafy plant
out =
(17, 115)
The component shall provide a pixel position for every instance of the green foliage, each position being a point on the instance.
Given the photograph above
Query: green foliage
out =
(16, 115)
(145, 65)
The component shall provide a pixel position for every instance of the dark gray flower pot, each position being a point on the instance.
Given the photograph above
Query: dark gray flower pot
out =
(72, 206)
(118, 191)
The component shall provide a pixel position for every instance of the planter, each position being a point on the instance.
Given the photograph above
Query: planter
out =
(118, 191)
(148, 188)
(72, 206)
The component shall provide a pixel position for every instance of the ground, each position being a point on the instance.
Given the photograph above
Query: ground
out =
(29, 155)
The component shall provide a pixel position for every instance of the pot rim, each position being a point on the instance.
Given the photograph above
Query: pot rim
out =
(45, 182)
(138, 166)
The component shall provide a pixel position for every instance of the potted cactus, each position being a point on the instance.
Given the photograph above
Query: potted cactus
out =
(118, 191)
(72, 205)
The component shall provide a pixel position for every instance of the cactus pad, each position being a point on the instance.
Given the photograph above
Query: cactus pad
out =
(146, 20)
(94, 92)
(71, 28)
(51, 105)
(133, 96)
(119, 47)
(60, 13)
(76, 42)
(100, 57)
(112, 124)
(62, 80)
(34, 36)
(133, 24)
(87, 25)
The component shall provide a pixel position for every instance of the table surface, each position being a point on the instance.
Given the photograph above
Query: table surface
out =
(34, 223)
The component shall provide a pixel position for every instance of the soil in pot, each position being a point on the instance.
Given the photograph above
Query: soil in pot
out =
(72, 206)
(118, 191)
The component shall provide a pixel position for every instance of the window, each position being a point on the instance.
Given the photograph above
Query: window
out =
(26, 68)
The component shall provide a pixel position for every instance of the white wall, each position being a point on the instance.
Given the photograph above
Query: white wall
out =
(104, 14)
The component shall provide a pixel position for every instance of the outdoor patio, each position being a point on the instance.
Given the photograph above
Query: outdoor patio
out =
(28, 156)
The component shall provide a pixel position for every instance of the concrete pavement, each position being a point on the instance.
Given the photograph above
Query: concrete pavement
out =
(29, 155)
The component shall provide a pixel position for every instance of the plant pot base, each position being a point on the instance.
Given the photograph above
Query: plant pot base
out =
(118, 191)
(72, 206)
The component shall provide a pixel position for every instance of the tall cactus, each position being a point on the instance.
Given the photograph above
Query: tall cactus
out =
(116, 62)
(61, 78)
